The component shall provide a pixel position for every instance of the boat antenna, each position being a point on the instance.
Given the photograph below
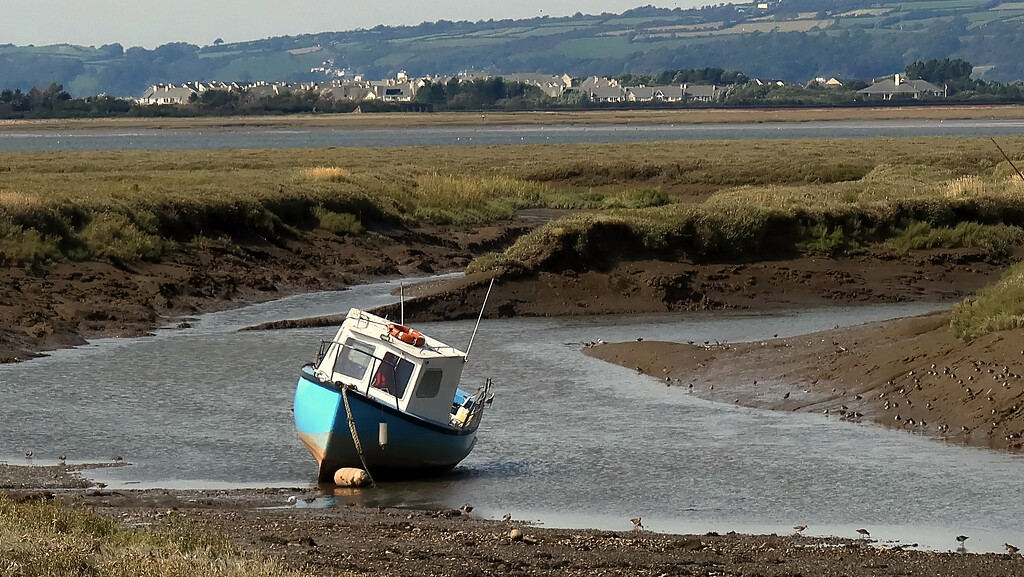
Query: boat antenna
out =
(1007, 158)
(477, 327)
(401, 298)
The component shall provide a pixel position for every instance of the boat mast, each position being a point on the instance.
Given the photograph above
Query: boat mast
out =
(477, 327)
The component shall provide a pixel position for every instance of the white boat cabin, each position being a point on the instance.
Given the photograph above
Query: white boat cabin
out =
(411, 372)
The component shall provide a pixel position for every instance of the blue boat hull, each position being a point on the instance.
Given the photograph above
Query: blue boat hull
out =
(415, 447)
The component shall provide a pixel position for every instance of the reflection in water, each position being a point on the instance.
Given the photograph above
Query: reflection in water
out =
(570, 441)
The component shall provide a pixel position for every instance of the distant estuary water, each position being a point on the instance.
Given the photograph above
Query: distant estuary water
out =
(235, 138)
(569, 442)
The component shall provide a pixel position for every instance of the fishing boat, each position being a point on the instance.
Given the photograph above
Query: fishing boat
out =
(383, 397)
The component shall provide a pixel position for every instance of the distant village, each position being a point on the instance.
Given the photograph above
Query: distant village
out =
(595, 89)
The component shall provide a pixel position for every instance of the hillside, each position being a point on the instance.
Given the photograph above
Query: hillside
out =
(793, 40)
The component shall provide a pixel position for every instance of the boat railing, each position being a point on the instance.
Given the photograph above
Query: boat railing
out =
(467, 415)
(322, 351)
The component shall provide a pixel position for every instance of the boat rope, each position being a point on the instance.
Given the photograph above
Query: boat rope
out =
(355, 434)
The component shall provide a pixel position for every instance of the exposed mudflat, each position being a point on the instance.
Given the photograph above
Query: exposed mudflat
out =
(908, 374)
(328, 540)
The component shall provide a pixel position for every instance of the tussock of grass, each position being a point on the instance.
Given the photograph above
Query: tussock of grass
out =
(328, 173)
(21, 246)
(18, 201)
(824, 239)
(997, 238)
(52, 540)
(594, 200)
(590, 173)
(472, 199)
(111, 235)
(906, 175)
(965, 186)
(994, 308)
(340, 223)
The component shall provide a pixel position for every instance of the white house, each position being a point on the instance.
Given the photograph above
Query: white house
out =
(167, 94)
(896, 86)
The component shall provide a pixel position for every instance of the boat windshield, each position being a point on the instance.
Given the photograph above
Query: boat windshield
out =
(353, 359)
(393, 375)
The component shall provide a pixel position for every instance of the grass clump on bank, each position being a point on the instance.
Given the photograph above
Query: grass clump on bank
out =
(53, 540)
(328, 173)
(993, 308)
(471, 199)
(340, 223)
(996, 238)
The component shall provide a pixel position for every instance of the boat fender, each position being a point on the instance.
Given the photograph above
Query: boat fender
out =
(406, 335)
(351, 477)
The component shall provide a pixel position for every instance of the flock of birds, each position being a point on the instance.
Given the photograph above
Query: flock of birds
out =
(972, 380)
(961, 540)
(638, 525)
(63, 458)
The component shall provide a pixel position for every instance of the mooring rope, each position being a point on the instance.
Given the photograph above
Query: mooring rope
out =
(355, 434)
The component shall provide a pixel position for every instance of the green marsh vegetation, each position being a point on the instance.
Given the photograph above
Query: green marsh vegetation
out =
(993, 308)
(702, 201)
(139, 205)
(790, 199)
(53, 540)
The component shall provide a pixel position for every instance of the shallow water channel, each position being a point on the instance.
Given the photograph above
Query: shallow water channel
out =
(569, 442)
(314, 137)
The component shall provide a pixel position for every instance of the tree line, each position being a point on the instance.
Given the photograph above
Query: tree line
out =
(495, 93)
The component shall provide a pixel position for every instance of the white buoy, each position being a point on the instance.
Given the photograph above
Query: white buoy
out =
(382, 434)
(351, 477)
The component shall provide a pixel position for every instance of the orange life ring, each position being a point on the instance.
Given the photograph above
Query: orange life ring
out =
(406, 335)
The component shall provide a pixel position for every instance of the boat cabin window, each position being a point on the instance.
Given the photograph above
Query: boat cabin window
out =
(353, 359)
(430, 384)
(393, 375)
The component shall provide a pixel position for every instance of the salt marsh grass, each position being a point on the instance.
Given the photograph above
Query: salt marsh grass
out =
(340, 223)
(472, 199)
(767, 195)
(994, 308)
(53, 540)
(329, 173)
(970, 185)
